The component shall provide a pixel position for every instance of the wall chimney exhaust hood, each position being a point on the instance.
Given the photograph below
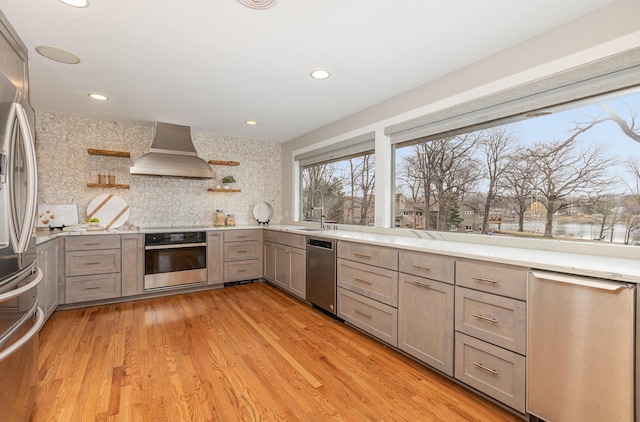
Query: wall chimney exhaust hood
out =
(172, 154)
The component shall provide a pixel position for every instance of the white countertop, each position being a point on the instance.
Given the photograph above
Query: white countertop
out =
(607, 267)
(611, 268)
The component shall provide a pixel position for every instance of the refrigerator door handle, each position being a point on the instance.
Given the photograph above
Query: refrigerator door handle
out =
(25, 339)
(30, 156)
(21, 290)
(580, 281)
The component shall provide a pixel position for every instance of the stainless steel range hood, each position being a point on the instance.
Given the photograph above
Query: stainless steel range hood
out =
(172, 154)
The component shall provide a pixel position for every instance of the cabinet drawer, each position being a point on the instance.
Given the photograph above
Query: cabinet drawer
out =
(289, 239)
(241, 235)
(433, 266)
(367, 254)
(492, 370)
(493, 278)
(92, 287)
(376, 283)
(293, 240)
(239, 251)
(496, 319)
(375, 318)
(241, 270)
(91, 242)
(92, 262)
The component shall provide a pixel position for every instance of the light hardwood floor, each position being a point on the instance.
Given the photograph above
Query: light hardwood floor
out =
(243, 353)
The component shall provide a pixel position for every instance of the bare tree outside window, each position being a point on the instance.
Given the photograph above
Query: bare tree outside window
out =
(347, 188)
(574, 173)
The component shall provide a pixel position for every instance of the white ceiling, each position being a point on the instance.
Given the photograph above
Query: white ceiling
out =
(212, 64)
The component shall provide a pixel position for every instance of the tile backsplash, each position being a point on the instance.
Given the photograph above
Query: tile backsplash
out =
(65, 167)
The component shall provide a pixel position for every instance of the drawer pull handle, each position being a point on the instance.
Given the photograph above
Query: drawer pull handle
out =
(361, 280)
(358, 311)
(243, 251)
(484, 318)
(421, 267)
(242, 271)
(481, 366)
(362, 255)
(91, 244)
(419, 283)
(242, 237)
(92, 263)
(93, 287)
(486, 280)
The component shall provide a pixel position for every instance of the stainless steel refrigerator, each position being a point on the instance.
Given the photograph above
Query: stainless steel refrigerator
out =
(20, 316)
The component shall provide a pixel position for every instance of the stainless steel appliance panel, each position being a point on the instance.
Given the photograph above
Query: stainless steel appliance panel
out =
(18, 185)
(20, 321)
(321, 273)
(174, 259)
(581, 341)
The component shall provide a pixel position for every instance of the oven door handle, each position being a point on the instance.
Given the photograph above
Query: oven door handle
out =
(175, 246)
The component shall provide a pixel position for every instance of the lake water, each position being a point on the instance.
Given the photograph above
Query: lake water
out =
(574, 230)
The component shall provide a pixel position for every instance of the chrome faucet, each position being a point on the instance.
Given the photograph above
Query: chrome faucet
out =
(321, 207)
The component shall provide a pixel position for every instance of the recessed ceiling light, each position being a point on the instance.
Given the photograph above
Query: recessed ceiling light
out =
(57, 54)
(251, 122)
(258, 4)
(99, 97)
(320, 74)
(76, 3)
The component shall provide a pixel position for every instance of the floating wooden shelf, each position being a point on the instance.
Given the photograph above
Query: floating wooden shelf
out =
(107, 185)
(224, 163)
(109, 153)
(223, 190)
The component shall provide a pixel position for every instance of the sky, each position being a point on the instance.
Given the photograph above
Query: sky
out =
(558, 126)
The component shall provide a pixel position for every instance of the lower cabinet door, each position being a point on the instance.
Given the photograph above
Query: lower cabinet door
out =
(493, 370)
(297, 272)
(269, 261)
(378, 319)
(93, 287)
(425, 321)
(241, 270)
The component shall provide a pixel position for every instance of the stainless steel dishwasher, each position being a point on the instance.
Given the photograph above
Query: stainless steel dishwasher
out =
(581, 344)
(321, 273)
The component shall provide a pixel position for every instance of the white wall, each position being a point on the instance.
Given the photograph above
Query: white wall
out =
(64, 168)
(605, 32)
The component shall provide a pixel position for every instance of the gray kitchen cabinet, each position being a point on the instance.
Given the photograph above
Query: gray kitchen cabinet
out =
(495, 371)
(92, 268)
(14, 58)
(367, 294)
(242, 255)
(490, 324)
(215, 258)
(93, 287)
(378, 256)
(285, 262)
(132, 264)
(377, 283)
(48, 287)
(376, 318)
(269, 252)
(425, 321)
(428, 265)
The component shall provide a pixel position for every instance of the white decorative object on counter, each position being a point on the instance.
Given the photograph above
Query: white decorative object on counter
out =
(110, 209)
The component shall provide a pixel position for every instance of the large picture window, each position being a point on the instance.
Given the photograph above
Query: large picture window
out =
(569, 172)
(342, 191)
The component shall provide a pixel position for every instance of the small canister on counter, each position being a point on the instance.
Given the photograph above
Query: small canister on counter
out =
(218, 218)
(230, 220)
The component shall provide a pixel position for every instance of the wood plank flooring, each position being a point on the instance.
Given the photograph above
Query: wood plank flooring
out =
(243, 353)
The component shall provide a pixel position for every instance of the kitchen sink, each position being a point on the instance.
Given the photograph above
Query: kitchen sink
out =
(310, 229)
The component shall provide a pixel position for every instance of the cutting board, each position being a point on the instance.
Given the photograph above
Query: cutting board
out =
(110, 209)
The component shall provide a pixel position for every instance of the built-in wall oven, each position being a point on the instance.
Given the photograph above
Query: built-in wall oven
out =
(175, 259)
